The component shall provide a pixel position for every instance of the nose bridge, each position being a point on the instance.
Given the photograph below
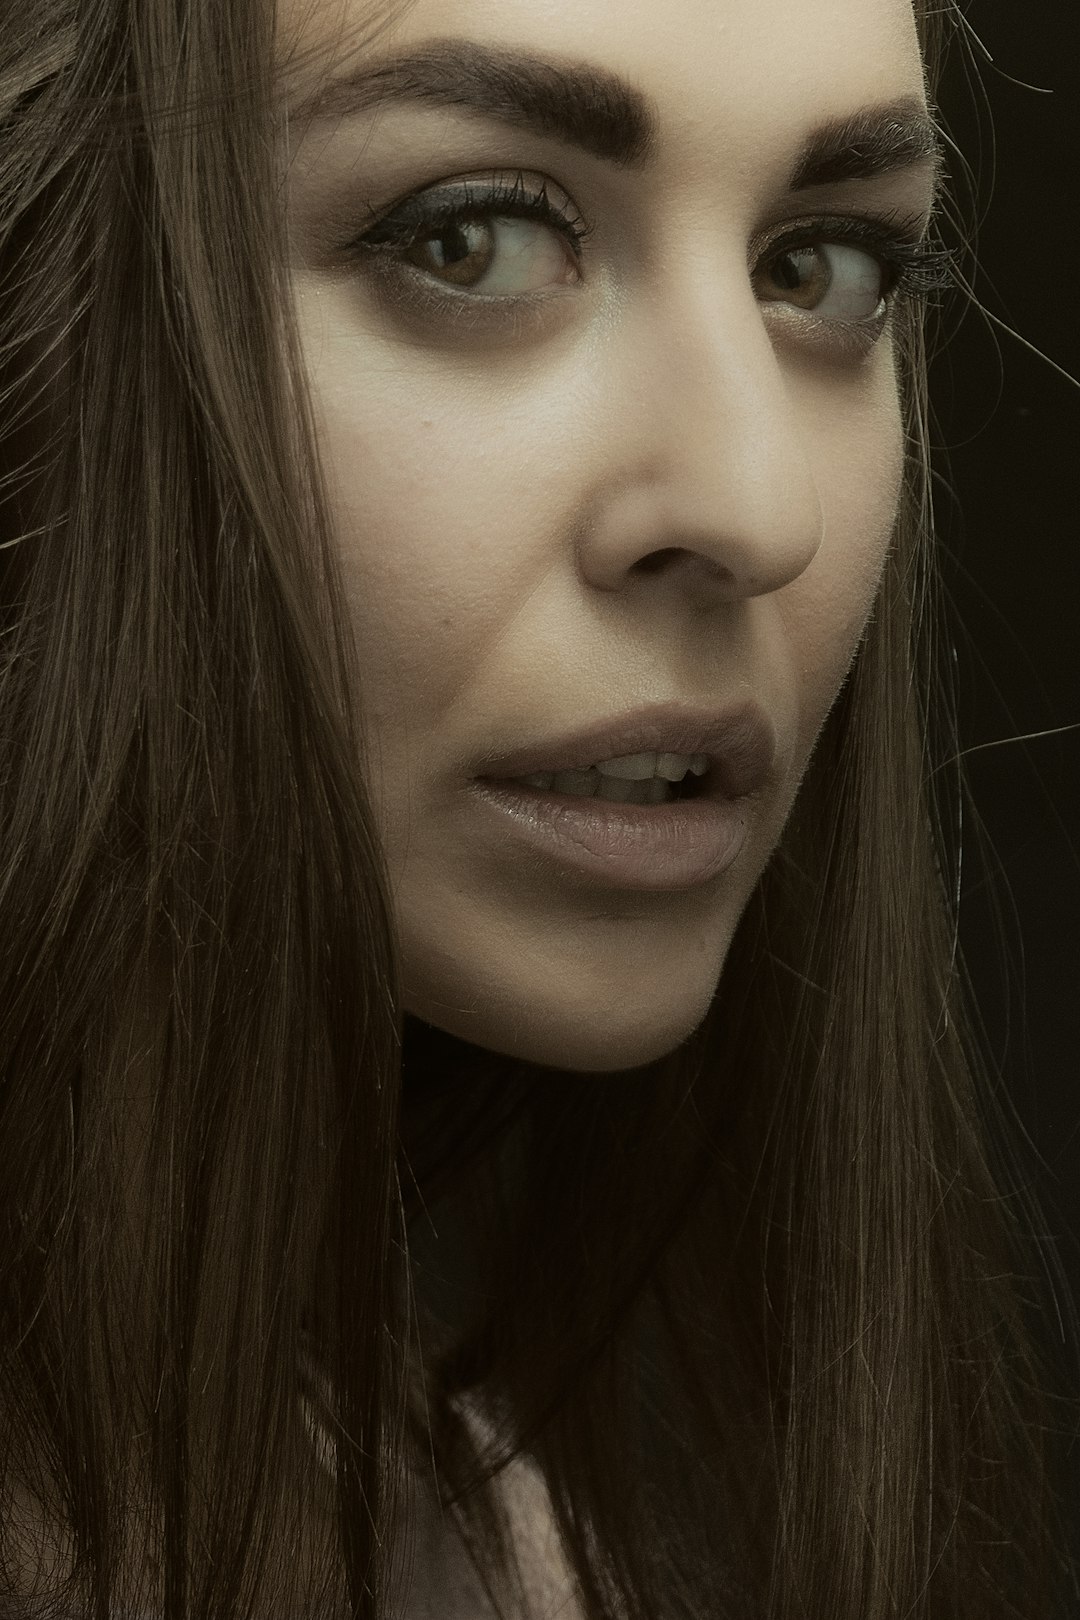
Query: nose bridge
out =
(729, 477)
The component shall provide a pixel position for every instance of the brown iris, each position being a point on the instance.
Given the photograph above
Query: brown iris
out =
(460, 253)
(801, 276)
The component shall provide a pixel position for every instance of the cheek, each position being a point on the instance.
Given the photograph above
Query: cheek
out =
(857, 443)
(438, 496)
(395, 495)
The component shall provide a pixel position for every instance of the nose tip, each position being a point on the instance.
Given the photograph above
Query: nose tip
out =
(719, 533)
(723, 499)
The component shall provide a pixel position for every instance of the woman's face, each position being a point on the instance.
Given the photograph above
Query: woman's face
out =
(623, 495)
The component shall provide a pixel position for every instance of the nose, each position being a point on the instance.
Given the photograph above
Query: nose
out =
(709, 484)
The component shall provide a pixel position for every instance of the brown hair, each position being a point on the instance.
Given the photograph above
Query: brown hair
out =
(778, 1342)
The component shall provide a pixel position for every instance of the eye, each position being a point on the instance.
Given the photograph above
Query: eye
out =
(832, 280)
(846, 271)
(501, 256)
(495, 240)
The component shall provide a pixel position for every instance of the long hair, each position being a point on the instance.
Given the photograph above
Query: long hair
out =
(767, 1314)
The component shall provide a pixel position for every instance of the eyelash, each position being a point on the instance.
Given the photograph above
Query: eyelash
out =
(417, 218)
(914, 268)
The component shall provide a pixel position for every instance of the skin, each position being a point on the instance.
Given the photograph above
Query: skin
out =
(531, 519)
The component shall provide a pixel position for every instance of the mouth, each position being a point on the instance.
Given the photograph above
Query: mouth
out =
(643, 779)
(661, 800)
(659, 754)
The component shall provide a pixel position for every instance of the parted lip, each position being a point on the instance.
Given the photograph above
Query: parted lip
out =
(739, 742)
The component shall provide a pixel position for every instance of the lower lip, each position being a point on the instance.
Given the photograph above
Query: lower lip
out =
(654, 847)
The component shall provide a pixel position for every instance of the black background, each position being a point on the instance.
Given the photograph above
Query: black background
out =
(1008, 431)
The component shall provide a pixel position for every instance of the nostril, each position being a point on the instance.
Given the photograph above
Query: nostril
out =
(669, 556)
(656, 560)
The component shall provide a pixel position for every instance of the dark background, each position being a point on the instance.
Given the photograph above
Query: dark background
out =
(1008, 431)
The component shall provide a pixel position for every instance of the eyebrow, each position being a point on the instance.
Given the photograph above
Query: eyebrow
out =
(580, 104)
(589, 107)
(873, 141)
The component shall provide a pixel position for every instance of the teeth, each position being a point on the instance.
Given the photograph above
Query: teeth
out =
(630, 768)
(620, 791)
(639, 767)
(673, 767)
(634, 778)
(584, 783)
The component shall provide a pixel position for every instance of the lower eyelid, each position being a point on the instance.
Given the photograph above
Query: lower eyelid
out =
(412, 296)
(842, 341)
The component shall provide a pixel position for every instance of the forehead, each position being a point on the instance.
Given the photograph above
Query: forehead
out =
(751, 70)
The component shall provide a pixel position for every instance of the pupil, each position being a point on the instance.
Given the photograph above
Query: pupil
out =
(463, 252)
(453, 245)
(788, 272)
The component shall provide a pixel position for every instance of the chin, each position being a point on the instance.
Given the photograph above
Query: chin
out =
(600, 1042)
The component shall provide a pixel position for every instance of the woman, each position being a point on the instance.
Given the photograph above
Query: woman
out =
(487, 1115)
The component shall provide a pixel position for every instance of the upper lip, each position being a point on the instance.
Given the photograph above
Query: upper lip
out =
(739, 742)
